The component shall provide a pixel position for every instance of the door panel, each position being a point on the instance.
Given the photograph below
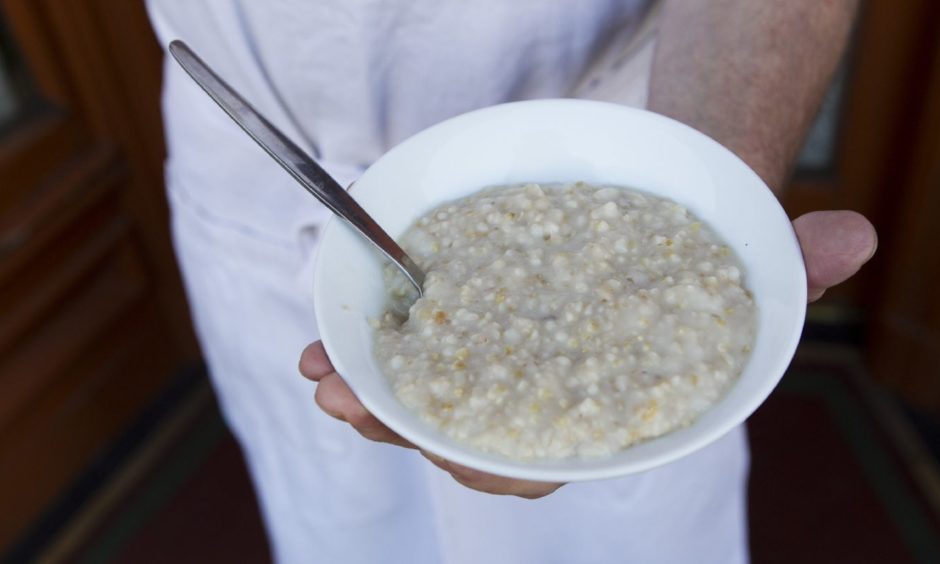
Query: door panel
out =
(93, 321)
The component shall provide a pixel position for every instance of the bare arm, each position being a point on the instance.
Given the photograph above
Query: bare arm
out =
(749, 73)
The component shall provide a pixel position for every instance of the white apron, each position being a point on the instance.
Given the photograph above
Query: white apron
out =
(348, 79)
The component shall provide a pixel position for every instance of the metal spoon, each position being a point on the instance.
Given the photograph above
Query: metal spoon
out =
(300, 165)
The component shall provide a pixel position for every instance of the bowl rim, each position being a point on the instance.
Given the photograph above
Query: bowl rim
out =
(545, 470)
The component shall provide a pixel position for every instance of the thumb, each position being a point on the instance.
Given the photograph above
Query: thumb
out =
(835, 245)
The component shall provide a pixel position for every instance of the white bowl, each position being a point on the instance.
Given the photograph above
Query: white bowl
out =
(563, 141)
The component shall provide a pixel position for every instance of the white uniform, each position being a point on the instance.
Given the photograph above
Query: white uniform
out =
(348, 79)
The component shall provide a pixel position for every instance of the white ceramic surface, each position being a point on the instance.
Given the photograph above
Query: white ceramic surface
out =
(564, 141)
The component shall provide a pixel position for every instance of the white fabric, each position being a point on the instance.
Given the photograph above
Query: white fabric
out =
(348, 79)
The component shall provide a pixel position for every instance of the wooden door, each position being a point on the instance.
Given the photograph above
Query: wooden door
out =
(93, 322)
(905, 334)
(883, 162)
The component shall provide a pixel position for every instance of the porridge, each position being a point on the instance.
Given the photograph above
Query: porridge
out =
(565, 320)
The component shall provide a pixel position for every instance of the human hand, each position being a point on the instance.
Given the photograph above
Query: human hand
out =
(337, 400)
(835, 245)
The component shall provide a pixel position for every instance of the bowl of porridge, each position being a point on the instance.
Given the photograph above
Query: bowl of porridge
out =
(608, 290)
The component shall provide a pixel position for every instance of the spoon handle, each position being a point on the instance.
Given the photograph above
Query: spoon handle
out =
(301, 166)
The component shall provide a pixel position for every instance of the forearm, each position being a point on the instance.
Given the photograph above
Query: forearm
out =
(749, 73)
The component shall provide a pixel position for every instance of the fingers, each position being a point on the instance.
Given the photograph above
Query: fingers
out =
(338, 400)
(314, 364)
(489, 483)
(835, 245)
(335, 398)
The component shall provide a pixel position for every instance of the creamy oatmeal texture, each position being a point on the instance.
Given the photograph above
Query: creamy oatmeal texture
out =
(565, 320)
